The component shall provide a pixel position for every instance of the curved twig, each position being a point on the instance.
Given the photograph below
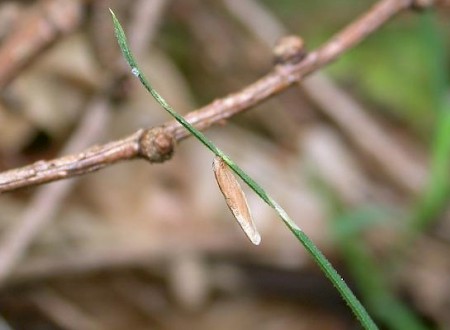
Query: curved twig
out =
(156, 144)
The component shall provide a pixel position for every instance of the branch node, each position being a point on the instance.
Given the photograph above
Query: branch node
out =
(156, 145)
(289, 49)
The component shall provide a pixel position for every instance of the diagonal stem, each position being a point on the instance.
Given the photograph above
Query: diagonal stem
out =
(357, 308)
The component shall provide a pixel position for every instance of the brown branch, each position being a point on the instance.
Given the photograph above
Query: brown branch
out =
(378, 145)
(119, 256)
(156, 144)
(46, 201)
(90, 160)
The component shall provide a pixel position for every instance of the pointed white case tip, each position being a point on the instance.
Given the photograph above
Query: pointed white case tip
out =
(256, 239)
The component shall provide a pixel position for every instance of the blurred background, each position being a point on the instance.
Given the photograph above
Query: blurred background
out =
(358, 155)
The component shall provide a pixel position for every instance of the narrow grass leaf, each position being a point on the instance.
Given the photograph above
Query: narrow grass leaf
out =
(355, 305)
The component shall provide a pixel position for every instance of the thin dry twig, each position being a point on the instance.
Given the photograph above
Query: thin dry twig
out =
(377, 144)
(156, 144)
(47, 200)
(354, 121)
(117, 257)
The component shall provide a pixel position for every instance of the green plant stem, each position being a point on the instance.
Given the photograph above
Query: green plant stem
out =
(357, 308)
(367, 270)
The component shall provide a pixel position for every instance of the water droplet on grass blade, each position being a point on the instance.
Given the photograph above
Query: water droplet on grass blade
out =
(235, 198)
(135, 71)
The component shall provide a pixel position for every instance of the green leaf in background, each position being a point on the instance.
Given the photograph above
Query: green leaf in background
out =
(399, 68)
(435, 198)
(348, 229)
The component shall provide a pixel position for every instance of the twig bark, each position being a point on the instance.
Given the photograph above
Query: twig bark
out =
(156, 144)
(353, 120)
(46, 201)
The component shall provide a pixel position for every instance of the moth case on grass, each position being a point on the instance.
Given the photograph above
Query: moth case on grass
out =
(235, 199)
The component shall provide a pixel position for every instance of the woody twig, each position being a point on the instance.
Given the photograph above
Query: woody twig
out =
(156, 144)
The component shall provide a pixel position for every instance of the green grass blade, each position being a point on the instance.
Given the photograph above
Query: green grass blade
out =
(371, 277)
(357, 308)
